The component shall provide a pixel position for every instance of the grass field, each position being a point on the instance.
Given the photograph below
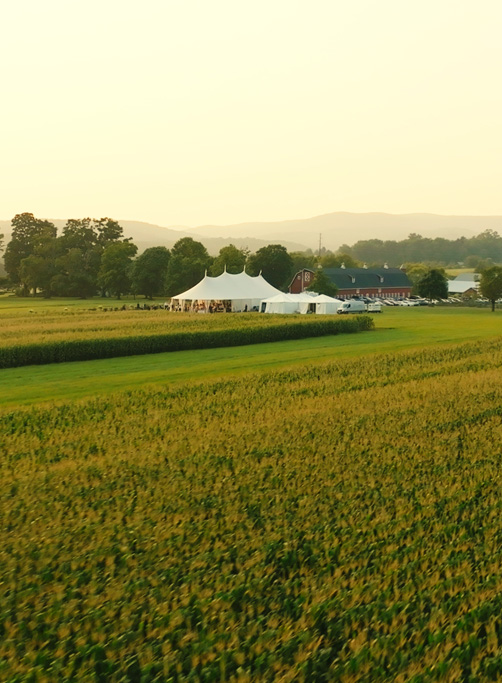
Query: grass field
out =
(453, 272)
(397, 329)
(339, 521)
(10, 304)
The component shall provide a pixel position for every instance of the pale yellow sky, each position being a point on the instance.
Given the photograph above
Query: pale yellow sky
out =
(222, 111)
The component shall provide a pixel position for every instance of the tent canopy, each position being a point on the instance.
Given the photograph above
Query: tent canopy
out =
(241, 289)
(300, 303)
(325, 304)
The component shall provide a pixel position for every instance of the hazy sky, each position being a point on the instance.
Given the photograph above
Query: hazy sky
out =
(222, 111)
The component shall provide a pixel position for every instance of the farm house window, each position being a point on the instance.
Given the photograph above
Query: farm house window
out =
(307, 277)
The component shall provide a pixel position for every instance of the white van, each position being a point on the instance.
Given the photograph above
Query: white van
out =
(355, 306)
(352, 306)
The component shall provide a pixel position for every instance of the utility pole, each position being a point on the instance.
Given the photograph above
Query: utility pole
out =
(320, 238)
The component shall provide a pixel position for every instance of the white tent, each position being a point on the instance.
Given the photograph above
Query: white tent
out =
(300, 303)
(325, 304)
(242, 291)
(280, 303)
(306, 302)
(289, 303)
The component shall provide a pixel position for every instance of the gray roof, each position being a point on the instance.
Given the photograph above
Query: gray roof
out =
(461, 286)
(359, 278)
(467, 277)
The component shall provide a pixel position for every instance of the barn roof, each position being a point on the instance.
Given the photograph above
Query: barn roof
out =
(350, 278)
(461, 287)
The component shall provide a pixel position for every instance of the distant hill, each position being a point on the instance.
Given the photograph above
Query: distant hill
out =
(336, 229)
(347, 228)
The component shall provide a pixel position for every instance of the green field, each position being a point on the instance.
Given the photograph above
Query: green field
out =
(396, 329)
(315, 510)
(10, 304)
(453, 272)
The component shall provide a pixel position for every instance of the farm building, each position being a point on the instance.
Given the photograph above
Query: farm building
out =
(390, 283)
(466, 284)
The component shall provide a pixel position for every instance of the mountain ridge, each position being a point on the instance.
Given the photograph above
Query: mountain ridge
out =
(335, 229)
(345, 227)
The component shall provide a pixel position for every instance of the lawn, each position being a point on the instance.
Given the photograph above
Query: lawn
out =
(396, 329)
(10, 304)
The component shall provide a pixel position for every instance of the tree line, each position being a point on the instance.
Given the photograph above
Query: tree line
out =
(472, 252)
(92, 256)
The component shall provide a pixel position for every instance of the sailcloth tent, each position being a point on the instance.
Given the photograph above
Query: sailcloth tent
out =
(242, 290)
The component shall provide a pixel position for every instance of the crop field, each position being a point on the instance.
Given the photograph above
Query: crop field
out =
(53, 321)
(337, 521)
(57, 334)
(396, 329)
(42, 326)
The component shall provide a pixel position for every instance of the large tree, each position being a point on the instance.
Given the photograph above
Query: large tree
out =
(415, 272)
(116, 264)
(274, 263)
(330, 260)
(301, 260)
(28, 233)
(149, 271)
(187, 265)
(433, 285)
(75, 277)
(230, 259)
(90, 237)
(490, 284)
(109, 230)
(322, 284)
(80, 233)
(36, 273)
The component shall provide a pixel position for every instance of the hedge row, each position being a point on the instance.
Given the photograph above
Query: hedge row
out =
(63, 351)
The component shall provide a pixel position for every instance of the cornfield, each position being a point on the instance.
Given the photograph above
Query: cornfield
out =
(61, 342)
(338, 522)
(39, 326)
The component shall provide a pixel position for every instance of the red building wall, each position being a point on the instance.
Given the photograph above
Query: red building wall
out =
(301, 281)
(304, 277)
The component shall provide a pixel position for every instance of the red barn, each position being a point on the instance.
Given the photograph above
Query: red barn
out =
(387, 283)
